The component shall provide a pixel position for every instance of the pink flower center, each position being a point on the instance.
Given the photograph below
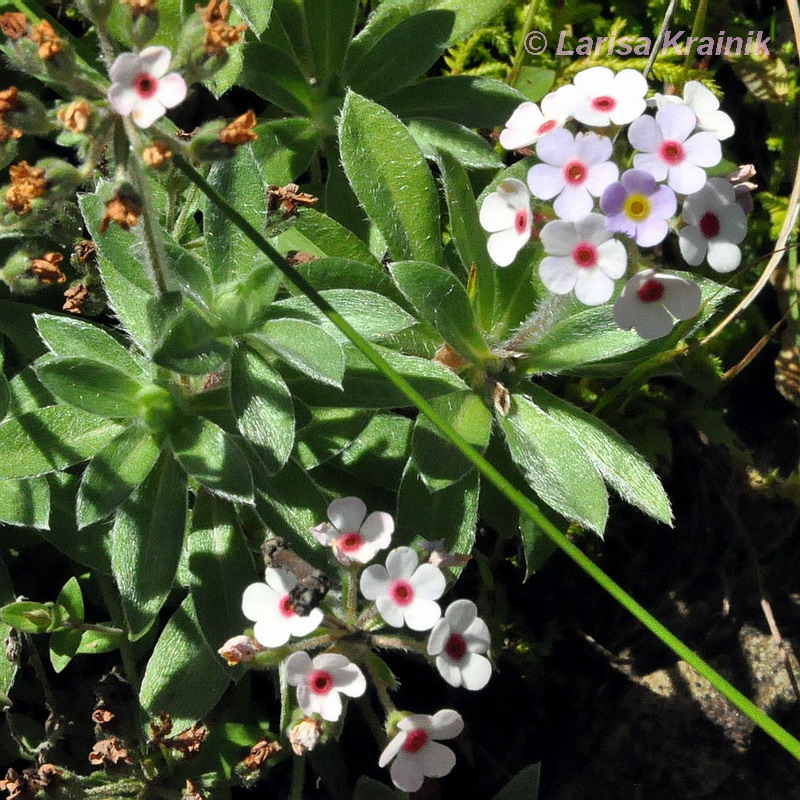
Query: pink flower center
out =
(350, 542)
(521, 221)
(145, 85)
(604, 103)
(575, 172)
(650, 291)
(456, 647)
(402, 593)
(585, 255)
(546, 126)
(709, 225)
(672, 152)
(415, 740)
(320, 681)
(285, 607)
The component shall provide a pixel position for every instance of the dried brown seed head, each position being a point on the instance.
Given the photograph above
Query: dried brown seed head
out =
(50, 45)
(120, 209)
(13, 24)
(139, 7)
(259, 753)
(47, 268)
(155, 154)
(27, 183)
(76, 116)
(240, 131)
(110, 751)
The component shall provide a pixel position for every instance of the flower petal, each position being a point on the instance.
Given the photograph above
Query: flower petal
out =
(559, 237)
(645, 135)
(600, 176)
(555, 147)
(391, 749)
(147, 112)
(663, 202)
(449, 671)
(703, 149)
(496, 214)
(732, 223)
(676, 122)
(594, 81)
(573, 203)
(477, 637)
(475, 671)
(125, 68)
(545, 181)
(402, 562)
(350, 680)
(302, 626)
(391, 614)
(593, 286)
(329, 706)
(257, 598)
(347, 514)
(558, 274)
(717, 123)
(374, 582)
(686, 178)
(438, 638)
(437, 760)
(504, 246)
(613, 197)
(422, 614)
(280, 581)
(428, 582)
(650, 162)
(378, 527)
(651, 231)
(460, 614)
(699, 98)
(650, 320)
(723, 256)
(693, 245)
(171, 90)
(273, 632)
(592, 149)
(155, 60)
(445, 724)
(682, 298)
(123, 98)
(406, 772)
(298, 665)
(638, 181)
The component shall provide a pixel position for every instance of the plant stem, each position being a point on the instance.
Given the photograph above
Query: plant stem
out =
(88, 626)
(109, 592)
(399, 643)
(298, 778)
(697, 29)
(351, 599)
(519, 56)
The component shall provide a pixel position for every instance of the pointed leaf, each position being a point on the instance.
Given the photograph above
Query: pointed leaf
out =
(329, 24)
(523, 786)
(285, 148)
(191, 346)
(254, 12)
(25, 503)
(468, 148)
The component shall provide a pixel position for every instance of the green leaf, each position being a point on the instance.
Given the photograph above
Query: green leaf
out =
(344, 273)
(26, 393)
(523, 786)
(372, 315)
(263, 408)
(254, 12)
(330, 431)
(17, 323)
(191, 346)
(189, 273)
(71, 598)
(64, 644)
(537, 545)
(470, 101)
(535, 83)
(96, 642)
(368, 789)
(8, 668)
(230, 253)
(386, 67)
(114, 473)
(397, 191)
(555, 465)
(125, 280)
(306, 347)
(220, 569)
(329, 24)
(25, 503)
(284, 149)
(68, 336)
(29, 617)
(214, 459)
(50, 439)
(468, 236)
(184, 677)
(441, 301)
(464, 145)
(146, 543)
(438, 461)
(5, 396)
(283, 83)
(90, 385)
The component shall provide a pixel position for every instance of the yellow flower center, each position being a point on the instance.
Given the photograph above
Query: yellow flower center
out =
(637, 207)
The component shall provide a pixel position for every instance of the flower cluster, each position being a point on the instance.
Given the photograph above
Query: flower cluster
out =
(602, 213)
(400, 593)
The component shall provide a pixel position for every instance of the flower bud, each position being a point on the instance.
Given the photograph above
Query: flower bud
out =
(158, 408)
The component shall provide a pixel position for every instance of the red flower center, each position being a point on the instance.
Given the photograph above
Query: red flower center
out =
(604, 103)
(350, 542)
(650, 291)
(415, 740)
(672, 152)
(575, 172)
(320, 681)
(521, 221)
(585, 255)
(402, 593)
(546, 126)
(145, 85)
(456, 647)
(285, 607)
(709, 225)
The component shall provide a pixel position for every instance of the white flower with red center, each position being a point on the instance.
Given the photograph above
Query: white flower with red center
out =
(320, 682)
(650, 300)
(638, 208)
(528, 123)
(350, 535)
(604, 98)
(269, 606)
(506, 215)
(458, 642)
(576, 169)
(669, 153)
(715, 225)
(705, 106)
(140, 86)
(416, 751)
(582, 256)
(405, 591)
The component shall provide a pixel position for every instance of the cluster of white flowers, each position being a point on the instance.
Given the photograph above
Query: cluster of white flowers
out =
(402, 592)
(594, 203)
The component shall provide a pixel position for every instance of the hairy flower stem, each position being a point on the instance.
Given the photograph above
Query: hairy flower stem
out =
(380, 687)
(351, 598)
(399, 643)
(539, 323)
(519, 56)
(298, 778)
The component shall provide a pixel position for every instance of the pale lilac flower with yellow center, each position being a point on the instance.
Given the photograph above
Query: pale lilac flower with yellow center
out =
(416, 752)
(269, 606)
(638, 208)
(405, 591)
(582, 256)
(528, 123)
(669, 153)
(603, 98)
(506, 215)
(320, 682)
(458, 642)
(140, 86)
(350, 535)
(650, 300)
(575, 170)
(715, 225)
(705, 106)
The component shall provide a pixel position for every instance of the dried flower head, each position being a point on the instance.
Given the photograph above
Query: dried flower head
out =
(120, 209)
(27, 183)
(7, 132)
(50, 45)
(259, 753)
(239, 649)
(76, 116)
(289, 197)
(110, 751)
(13, 24)
(76, 298)
(220, 34)
(449, 358)
(240, 131)
(155, 154)
(139, 7)
(47, 268)
(9, 99)
(305, 735)
(103, 716)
